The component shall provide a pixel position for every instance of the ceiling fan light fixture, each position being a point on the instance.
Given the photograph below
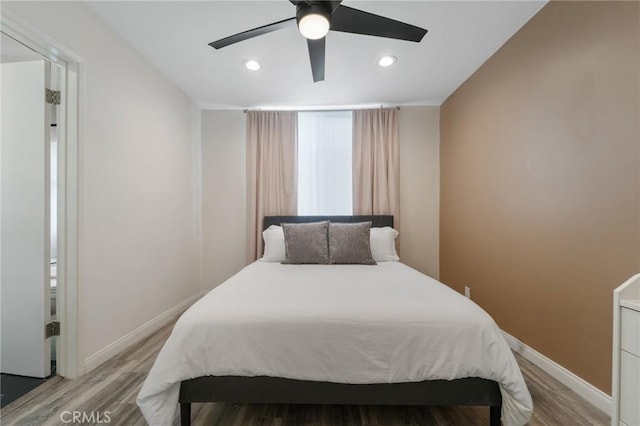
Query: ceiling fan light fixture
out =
(313, 22)
(315, 18)
(252, 64)
(387, 61)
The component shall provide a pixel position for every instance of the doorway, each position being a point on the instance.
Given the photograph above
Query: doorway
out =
(29, 218)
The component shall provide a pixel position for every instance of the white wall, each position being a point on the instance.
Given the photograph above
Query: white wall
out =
(223, 194)
(139, 243)
(420, 188)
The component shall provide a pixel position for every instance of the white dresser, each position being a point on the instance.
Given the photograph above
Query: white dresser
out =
(626, 354)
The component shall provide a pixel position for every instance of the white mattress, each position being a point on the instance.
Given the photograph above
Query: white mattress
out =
(337, 323)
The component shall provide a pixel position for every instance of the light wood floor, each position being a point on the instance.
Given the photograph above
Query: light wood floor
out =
(114, 385)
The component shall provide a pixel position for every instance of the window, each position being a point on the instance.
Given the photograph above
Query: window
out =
(324, 163)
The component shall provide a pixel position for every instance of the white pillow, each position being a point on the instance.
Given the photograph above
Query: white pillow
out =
(273, 238)
(383, 244)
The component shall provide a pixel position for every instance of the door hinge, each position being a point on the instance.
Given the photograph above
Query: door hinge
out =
(52, 329)
(52, 96)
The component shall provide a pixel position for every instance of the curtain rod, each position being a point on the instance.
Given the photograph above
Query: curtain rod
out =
(320, 110)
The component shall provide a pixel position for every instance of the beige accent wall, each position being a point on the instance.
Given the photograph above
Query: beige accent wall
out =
(419, 188)
(540, 181)
(223, 195)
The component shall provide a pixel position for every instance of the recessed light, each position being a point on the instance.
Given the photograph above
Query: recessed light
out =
(252, 64)
(387, 61)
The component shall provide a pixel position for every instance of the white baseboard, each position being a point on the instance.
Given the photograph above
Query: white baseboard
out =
(130, 339)
(577, 384)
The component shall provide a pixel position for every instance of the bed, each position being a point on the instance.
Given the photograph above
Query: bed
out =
(334, 334)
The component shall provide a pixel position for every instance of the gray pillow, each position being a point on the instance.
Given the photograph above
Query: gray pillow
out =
(349, 243)
(306, 242)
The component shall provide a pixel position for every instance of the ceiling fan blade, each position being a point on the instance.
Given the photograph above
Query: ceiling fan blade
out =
(348, 20)
(218, 44)
(316, 55)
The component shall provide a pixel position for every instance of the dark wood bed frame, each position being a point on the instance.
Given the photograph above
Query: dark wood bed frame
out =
(472, 391)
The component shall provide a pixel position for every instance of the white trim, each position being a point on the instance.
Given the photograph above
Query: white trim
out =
(35, 39)
(68, 221)
(577, 384)
(145, 330)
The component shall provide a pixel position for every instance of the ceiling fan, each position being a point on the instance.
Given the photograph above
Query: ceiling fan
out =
(316, 18)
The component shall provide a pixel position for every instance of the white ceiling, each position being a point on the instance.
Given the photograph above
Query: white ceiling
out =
(174, 36)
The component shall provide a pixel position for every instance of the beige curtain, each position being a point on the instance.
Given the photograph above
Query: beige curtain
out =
(375, 162)
(271, 171)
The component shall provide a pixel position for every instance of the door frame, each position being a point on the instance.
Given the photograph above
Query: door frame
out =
(70, 134)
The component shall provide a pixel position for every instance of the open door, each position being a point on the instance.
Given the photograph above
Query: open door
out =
(25, 218)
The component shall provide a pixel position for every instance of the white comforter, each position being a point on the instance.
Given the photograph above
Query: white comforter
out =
(336, 323)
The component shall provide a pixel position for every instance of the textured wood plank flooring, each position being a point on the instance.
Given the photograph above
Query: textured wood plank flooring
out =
(114, 385)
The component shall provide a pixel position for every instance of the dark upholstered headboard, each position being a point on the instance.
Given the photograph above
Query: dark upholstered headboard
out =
(377, 221)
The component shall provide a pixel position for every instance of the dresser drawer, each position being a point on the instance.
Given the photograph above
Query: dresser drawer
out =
(630, 331)
(629, 388)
